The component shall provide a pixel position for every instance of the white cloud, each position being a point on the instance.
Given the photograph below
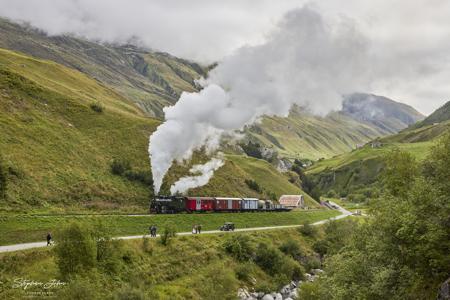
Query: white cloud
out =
(413, 35)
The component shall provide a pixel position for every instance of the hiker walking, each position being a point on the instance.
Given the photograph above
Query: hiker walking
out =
(154, 230)
(151, 229)
(194, 229)
(199, 228)
(49, 239)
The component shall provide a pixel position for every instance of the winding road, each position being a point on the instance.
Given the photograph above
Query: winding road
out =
(18, 247)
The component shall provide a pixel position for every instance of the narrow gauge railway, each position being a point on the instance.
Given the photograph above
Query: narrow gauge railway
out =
(176, 204)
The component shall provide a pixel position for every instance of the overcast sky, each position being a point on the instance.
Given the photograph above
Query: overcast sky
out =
(411, 38)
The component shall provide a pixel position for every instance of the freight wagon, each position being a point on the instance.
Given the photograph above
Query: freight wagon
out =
(174, 204)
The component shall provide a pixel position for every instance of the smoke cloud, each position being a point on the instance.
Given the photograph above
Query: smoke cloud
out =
(306, 61)
(205, 172)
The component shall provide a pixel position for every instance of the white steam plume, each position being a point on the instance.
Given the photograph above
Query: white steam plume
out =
(305, 61)
(205, 172)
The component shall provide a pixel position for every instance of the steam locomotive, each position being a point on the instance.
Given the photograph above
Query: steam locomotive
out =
(176, 204)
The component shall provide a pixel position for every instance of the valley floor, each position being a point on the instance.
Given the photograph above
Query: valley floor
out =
(23, 228)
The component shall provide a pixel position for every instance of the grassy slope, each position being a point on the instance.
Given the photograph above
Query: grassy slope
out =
(192, 267)
(22, 228)
(302, 135)
(361, 167)
(59, 150)
(152, 80)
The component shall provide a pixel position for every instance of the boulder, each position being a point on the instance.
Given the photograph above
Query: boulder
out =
(317, 271)
(243, 294)
(286, 290)
(277, 296)
(293, 284)
(294, 294)
(444, 291)
(289, 298)
(267, 297)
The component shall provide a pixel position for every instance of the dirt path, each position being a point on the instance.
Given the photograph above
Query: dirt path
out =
(19, 247)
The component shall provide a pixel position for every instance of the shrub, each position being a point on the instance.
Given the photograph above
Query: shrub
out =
(169, 232)
(141, 176)
(321, 247)
(253, 185)
(332, 194)
(292, 249)
(120, 166)
(97, 107)
(312, 262)
(244, 271)
(307, 230)
(239, 247)
(252, 149)
(75, 249)
(268, 258)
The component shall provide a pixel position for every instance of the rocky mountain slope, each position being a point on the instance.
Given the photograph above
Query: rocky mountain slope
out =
(150, 79)
(385, 114)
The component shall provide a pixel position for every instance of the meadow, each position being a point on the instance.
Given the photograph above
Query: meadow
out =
(27, 228)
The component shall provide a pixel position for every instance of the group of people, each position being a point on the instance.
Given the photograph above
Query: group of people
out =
(153, 230)
(196, 229)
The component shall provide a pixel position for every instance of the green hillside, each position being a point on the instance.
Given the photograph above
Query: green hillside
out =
(302, 135)
(150, 79)
(356, 171)
(58, 148)
(153, 80)
(442, 114)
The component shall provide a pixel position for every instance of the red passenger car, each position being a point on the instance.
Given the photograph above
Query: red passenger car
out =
(199, 204)
(228, 204)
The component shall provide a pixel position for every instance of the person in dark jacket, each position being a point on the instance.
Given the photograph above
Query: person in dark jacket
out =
(199, 228)
(49, 239)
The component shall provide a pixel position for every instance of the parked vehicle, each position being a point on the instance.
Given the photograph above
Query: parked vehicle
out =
(228, 226)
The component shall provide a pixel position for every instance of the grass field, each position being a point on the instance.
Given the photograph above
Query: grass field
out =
(418, 150)
(190, 267)
(19, 229)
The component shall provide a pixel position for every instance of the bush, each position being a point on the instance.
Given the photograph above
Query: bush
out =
(332, 194)
(307, 230)
(97, 107)
(321, 247)
(169, 232)
(292, 249)
(268, 258)
(312, 262)
(75, 249)
(120, 166)
(253, 185)
(239, 247)
(244, 271)
(141, 176)
(252, 149)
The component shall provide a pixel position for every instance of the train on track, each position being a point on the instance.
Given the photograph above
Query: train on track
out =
(176, 204)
